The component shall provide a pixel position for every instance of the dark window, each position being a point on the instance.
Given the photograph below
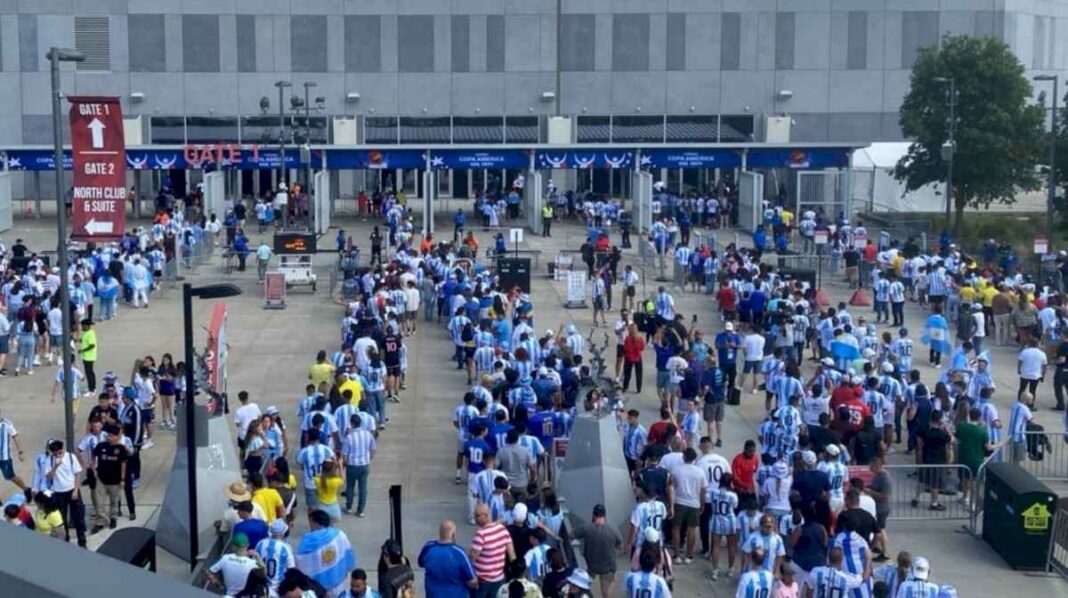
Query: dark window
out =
(146, 43)
(261, 129)
(637, 129)
(424, 129)
(521, 129)
(167, 129)
(736, 128)
(695, 128)
(380, 129)
(211, 129)
(477, 129)
(316, 133)
(594, 129)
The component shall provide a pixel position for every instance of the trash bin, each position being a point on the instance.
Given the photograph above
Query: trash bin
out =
(133, 545)
(1018, 516)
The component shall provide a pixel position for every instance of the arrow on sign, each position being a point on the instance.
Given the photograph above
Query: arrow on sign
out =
(97, 128)
(95, 228)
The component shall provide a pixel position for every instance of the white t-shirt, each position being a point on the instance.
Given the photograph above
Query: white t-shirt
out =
(753, 344)
(1031, 361)
(55, 321)
(65, 472)
(244, 416)
(671, 460)
(868, 504)
(234, 569)
(688, 479)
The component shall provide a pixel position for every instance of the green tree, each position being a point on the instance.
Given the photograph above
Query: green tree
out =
(999, 135)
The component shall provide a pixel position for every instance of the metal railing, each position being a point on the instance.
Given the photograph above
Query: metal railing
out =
(911, 499)
(1058, 544)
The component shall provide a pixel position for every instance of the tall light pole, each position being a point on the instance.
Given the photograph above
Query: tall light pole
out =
(56, 56)
(1052, 154)
(210, 291)
(307, 142)
(949, 146)
(282, 85)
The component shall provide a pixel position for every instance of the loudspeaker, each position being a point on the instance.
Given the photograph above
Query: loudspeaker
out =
(514, 272)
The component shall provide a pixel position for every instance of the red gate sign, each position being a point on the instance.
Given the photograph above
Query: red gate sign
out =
(99, 152)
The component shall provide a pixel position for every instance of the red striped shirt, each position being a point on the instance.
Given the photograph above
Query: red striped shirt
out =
(492, 543)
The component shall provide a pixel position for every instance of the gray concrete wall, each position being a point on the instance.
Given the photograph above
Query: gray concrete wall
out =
(846, 61)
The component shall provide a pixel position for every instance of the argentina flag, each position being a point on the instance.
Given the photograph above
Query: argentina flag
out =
(936, 334)
(326, 556)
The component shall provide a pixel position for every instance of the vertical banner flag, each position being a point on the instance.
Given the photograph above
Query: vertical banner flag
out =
(98, 212)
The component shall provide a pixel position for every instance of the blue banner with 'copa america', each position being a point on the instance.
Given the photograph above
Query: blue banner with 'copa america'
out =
(690, 158)
(800, 158)
(461, 159)
(592, 158)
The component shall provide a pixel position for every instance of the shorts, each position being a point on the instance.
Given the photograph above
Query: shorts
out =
(5, 346)
(55, 340)
(723, 525)
(931, 478)
(7, 469)
(460, 442)
(598, 303)
(630, 291)
(662, 379)
(619, 351)
(147, 415)
(393, 370)
(751, 367)
(469, 352)
(686, 517)
(411, 314)
(713, 412)
(880, 518)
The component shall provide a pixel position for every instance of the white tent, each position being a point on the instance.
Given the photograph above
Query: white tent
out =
(876, 190)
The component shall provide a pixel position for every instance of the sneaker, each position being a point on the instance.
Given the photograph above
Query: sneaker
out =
(147, 444)
(937, 507)
(729, 573)
(880, 558)
(96, 530)
(719, 442)
(3, 373)
(715, 575)
(914, 503)
(36, 361)
(688, 560)
(29, 373)
(113, 523)
(360, 515)
(133, 516)
(136, 483)
(348, 510)
(457, 480)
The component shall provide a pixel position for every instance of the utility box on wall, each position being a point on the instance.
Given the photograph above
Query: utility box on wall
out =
(777, 129)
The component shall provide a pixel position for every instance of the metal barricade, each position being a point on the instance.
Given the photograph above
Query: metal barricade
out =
(911, 496)
(1058, 544)
(1053, 450)
(980, 489)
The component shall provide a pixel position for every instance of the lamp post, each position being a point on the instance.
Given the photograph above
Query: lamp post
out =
(282, 85)
(1052, 154)
(210, 291)
(949, 147)
(56, 56)
(307, 142)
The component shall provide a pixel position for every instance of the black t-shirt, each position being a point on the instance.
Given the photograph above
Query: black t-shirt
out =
(655, 479)
(655, 451)
(240, 211)
(553, 583)
(109, 459)
(391, 345)
(105, 414)
(859, 521)
(1062, 352)
(520, 539)
(852, 258)
(18, 250)
(935, 442)
(821, 436)
(811, 484)
(865, 446)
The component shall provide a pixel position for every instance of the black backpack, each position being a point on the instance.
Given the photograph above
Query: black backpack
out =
(1037, 442)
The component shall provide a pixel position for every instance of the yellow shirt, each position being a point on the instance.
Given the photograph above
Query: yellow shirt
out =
(988, 295)
(321, 372)
(787, 218)
(897, 263)
(355, 387)
(270, 501)
(967, 294)
(326, 489)
(46, 523)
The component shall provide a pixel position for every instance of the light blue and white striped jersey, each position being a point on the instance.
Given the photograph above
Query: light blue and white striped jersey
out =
(575, 343)
(882, 290)
(877, 402)
(682, 255)
(647, 514)
(855, 550)
(897, 292)
(375, 378)
(537, 562)
(936, 284)
(342, 416)
(771, 544)
(772, 369)
(277, 557)
(1021, 414)
(523, 368)
(990, 416)
(357, 447)
(484, 358)
(7, 432)
(891, 387)
(747, 525)
(916, 588)
(640, 584)
(828, 582)
(533, 445)
(462, 416)
(665, 306)
(755, 584)
(311, 459)
(633, 440)
(456, 328)
(891, 576)
(329, 424)
(788, 387)
(838, 474)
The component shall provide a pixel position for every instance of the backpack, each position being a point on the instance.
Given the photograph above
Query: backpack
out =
(1037, 442)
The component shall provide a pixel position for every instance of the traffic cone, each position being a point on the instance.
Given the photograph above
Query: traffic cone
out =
(821, 298)
(859, 299)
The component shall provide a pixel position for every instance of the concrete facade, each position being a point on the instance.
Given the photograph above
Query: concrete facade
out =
(846, 61)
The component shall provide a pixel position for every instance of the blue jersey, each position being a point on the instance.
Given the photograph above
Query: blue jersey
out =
(498, 436)
(648, 514)
(915, 588)
(828, 582)
(474, 450)
(540, 424)
(855, 550)
(277, 558)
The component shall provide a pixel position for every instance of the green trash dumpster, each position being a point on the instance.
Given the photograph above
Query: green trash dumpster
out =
(1018, 516)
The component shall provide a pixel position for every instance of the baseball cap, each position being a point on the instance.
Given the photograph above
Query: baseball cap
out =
(580, 579)
(129, 393)
(888, 368)
(519, 513)
(832, 450)
(921, 568)
(729, 326)
(240, 540)
(651, 534)
(279, 527)
(272, 410)
(808, 457)
(827, 361)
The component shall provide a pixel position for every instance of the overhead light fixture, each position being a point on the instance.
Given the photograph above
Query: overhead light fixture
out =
(785, 94)
(548, 96)
(352, 96)
(137, 97)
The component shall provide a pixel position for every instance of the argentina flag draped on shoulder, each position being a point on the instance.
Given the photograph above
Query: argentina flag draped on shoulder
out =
(936, 334)
(326, 556)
